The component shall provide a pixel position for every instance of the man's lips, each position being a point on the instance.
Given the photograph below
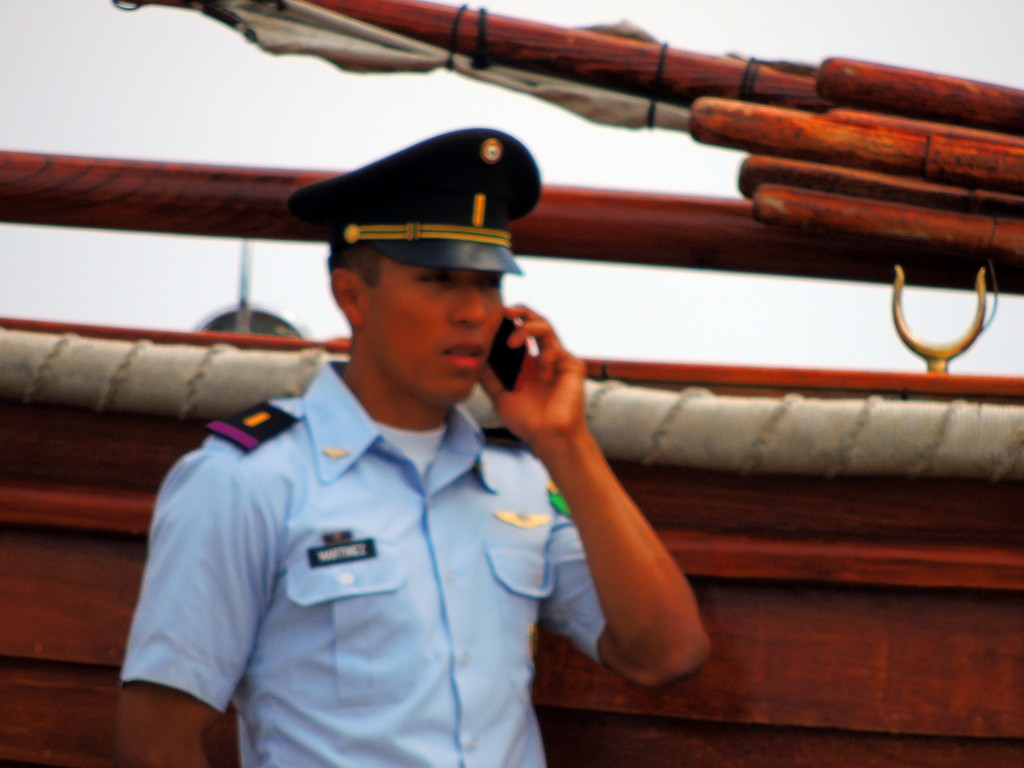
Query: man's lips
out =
(465, 355)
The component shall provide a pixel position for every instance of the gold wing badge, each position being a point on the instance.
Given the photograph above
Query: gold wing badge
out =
(523, 519)
(536, 519)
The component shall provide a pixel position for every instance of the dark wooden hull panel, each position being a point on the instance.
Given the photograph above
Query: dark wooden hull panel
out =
(581, 739)
(878, 660)
(855, 621)
(62, 716)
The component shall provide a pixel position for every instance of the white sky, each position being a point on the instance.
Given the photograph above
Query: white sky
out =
(81, 77)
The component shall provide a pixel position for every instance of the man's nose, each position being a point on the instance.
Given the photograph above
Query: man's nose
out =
(473, 306)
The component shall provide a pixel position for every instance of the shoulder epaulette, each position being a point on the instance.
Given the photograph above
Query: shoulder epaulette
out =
(253, 426)
(502, 436)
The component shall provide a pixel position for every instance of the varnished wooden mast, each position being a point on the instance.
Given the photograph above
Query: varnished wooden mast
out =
(761, 169)
(597, 225)
(901, 91)
(984, 237)
(986, 163)
(621, 64)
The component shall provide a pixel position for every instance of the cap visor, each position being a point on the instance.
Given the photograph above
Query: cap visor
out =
(450, 254)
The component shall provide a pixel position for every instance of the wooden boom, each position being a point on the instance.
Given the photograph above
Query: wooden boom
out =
(759, 169)
(986, 164)
(599, 225)
(585, 56)
(920, 127)
(921, 94)
(980, 236)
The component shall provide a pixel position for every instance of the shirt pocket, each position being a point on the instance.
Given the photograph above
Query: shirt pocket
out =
(372, 619)
(522, 571)
(525, 579)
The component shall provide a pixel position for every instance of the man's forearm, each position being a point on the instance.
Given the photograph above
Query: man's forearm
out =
(654, 632)
(159, 727)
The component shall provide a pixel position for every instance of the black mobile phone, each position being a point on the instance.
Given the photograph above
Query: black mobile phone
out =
(505, 361)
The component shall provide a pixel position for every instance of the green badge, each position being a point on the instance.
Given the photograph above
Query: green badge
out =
(558, 500)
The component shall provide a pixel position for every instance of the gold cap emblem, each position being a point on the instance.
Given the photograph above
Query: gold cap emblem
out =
(491, 151)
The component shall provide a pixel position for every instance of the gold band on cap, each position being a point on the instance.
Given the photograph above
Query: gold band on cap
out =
(415, 230)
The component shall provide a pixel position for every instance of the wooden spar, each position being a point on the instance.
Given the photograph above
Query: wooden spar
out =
(984, 237)
(580, 55)
(787, 133)
(760, 129)
(569, 222)
(758, 170)
(921, 94)
(920, 127)
(151, 196)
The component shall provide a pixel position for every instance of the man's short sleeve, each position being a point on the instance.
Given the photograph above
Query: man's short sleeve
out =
(572, 609)
(209, 575)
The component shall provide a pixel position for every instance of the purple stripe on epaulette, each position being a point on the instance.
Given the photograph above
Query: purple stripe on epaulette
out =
(234, 434)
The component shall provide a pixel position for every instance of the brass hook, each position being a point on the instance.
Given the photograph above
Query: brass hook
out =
(938, 355)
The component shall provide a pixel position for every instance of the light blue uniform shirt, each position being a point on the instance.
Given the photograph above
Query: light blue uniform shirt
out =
(354, 616)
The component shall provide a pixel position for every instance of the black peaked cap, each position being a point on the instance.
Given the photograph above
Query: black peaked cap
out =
(445, 202)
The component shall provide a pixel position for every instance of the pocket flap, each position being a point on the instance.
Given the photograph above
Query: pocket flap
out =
(522, 571)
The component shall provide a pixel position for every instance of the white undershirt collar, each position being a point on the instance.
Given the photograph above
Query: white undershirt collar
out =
(420, 446)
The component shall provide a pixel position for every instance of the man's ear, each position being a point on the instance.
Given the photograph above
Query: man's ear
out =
(350, 291)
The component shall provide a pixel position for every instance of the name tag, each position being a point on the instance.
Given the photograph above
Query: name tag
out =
(332, 554)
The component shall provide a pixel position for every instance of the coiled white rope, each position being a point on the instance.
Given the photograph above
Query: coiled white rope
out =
(693, 428)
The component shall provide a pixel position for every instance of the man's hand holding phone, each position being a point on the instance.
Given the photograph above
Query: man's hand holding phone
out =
(545, 400)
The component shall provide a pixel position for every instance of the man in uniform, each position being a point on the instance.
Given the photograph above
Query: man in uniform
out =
(357, 569)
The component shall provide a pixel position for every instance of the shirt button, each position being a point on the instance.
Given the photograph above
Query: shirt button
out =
(450, 576)
(464, 658)
(347, 578)
(471, 744)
